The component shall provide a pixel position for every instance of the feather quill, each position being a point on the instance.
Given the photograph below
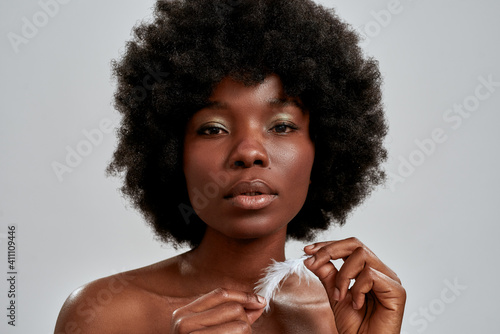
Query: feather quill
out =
(277, 273)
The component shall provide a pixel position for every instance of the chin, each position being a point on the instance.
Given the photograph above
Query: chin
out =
(250, 228)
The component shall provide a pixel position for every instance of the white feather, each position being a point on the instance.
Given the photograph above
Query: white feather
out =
(277, 273)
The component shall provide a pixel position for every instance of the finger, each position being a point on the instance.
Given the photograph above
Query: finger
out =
(220, 314)
(337, 249)
(253, 315)
(344, 249)
(323, 252)
(237, 327)
(186, 321)
(313, 248)
(219, 296)
(389, 293)
(351, 268)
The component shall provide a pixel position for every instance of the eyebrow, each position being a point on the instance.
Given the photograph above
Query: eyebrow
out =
(278, 102)
(215, 105)
(283, 102)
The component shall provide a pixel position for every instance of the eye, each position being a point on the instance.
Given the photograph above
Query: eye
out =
(284, 128)
(211, 130)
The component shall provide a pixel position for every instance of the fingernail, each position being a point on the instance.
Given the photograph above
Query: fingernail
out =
(336, 294)
(354, 306)
(309, 247)
(309, 261)
(261, 299)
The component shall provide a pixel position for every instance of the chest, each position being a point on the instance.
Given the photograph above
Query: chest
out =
(303, 319)
(282, 319)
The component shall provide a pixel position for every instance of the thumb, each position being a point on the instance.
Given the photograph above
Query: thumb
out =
(255, 308)
(254, 314)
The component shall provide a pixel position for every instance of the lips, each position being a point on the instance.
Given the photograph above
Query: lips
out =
(251, 195)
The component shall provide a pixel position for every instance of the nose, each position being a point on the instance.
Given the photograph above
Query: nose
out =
(248, 151)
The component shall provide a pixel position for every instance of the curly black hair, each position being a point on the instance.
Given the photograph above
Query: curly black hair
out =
(171, 66)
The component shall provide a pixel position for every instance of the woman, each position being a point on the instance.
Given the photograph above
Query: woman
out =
(245, 123)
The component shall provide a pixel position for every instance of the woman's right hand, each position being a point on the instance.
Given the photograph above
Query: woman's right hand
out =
(220, 311)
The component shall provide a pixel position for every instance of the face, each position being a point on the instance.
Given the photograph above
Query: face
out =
(248, 158)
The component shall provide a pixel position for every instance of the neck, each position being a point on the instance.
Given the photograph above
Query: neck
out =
(233, 263)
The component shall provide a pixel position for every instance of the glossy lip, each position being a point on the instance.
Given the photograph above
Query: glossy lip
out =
(240, 195)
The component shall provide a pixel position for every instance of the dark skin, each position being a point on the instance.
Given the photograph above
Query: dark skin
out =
(254, 141)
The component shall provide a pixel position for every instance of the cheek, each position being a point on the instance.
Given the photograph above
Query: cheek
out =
(200, 166)
(295, 162)
(196, 161)
(192, 167)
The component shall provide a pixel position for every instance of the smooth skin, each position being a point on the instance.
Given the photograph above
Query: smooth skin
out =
(246, 133)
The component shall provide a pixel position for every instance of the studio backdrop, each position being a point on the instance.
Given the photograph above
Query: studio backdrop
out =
(63, 223)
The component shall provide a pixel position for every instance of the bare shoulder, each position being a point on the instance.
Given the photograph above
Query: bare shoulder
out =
(127, 302)
(306, 306)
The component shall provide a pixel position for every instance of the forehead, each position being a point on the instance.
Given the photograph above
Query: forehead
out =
(230, 87)
(232, 93)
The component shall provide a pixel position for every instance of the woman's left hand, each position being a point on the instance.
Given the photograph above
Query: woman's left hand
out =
(375, 302)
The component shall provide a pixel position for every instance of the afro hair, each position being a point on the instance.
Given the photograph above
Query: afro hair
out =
(172, 64)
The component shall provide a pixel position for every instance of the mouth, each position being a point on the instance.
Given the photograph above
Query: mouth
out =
(251, 195)
(255, 193)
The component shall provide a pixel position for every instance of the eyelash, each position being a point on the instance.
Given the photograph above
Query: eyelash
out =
(285, 124)
(205, 130)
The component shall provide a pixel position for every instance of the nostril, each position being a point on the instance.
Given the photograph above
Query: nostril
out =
(239, 163)
(258, 162)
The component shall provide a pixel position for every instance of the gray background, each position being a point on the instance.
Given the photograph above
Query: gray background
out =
(435, 224)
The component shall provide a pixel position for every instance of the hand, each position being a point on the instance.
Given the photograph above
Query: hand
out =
(375, 302)
(220, 311)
